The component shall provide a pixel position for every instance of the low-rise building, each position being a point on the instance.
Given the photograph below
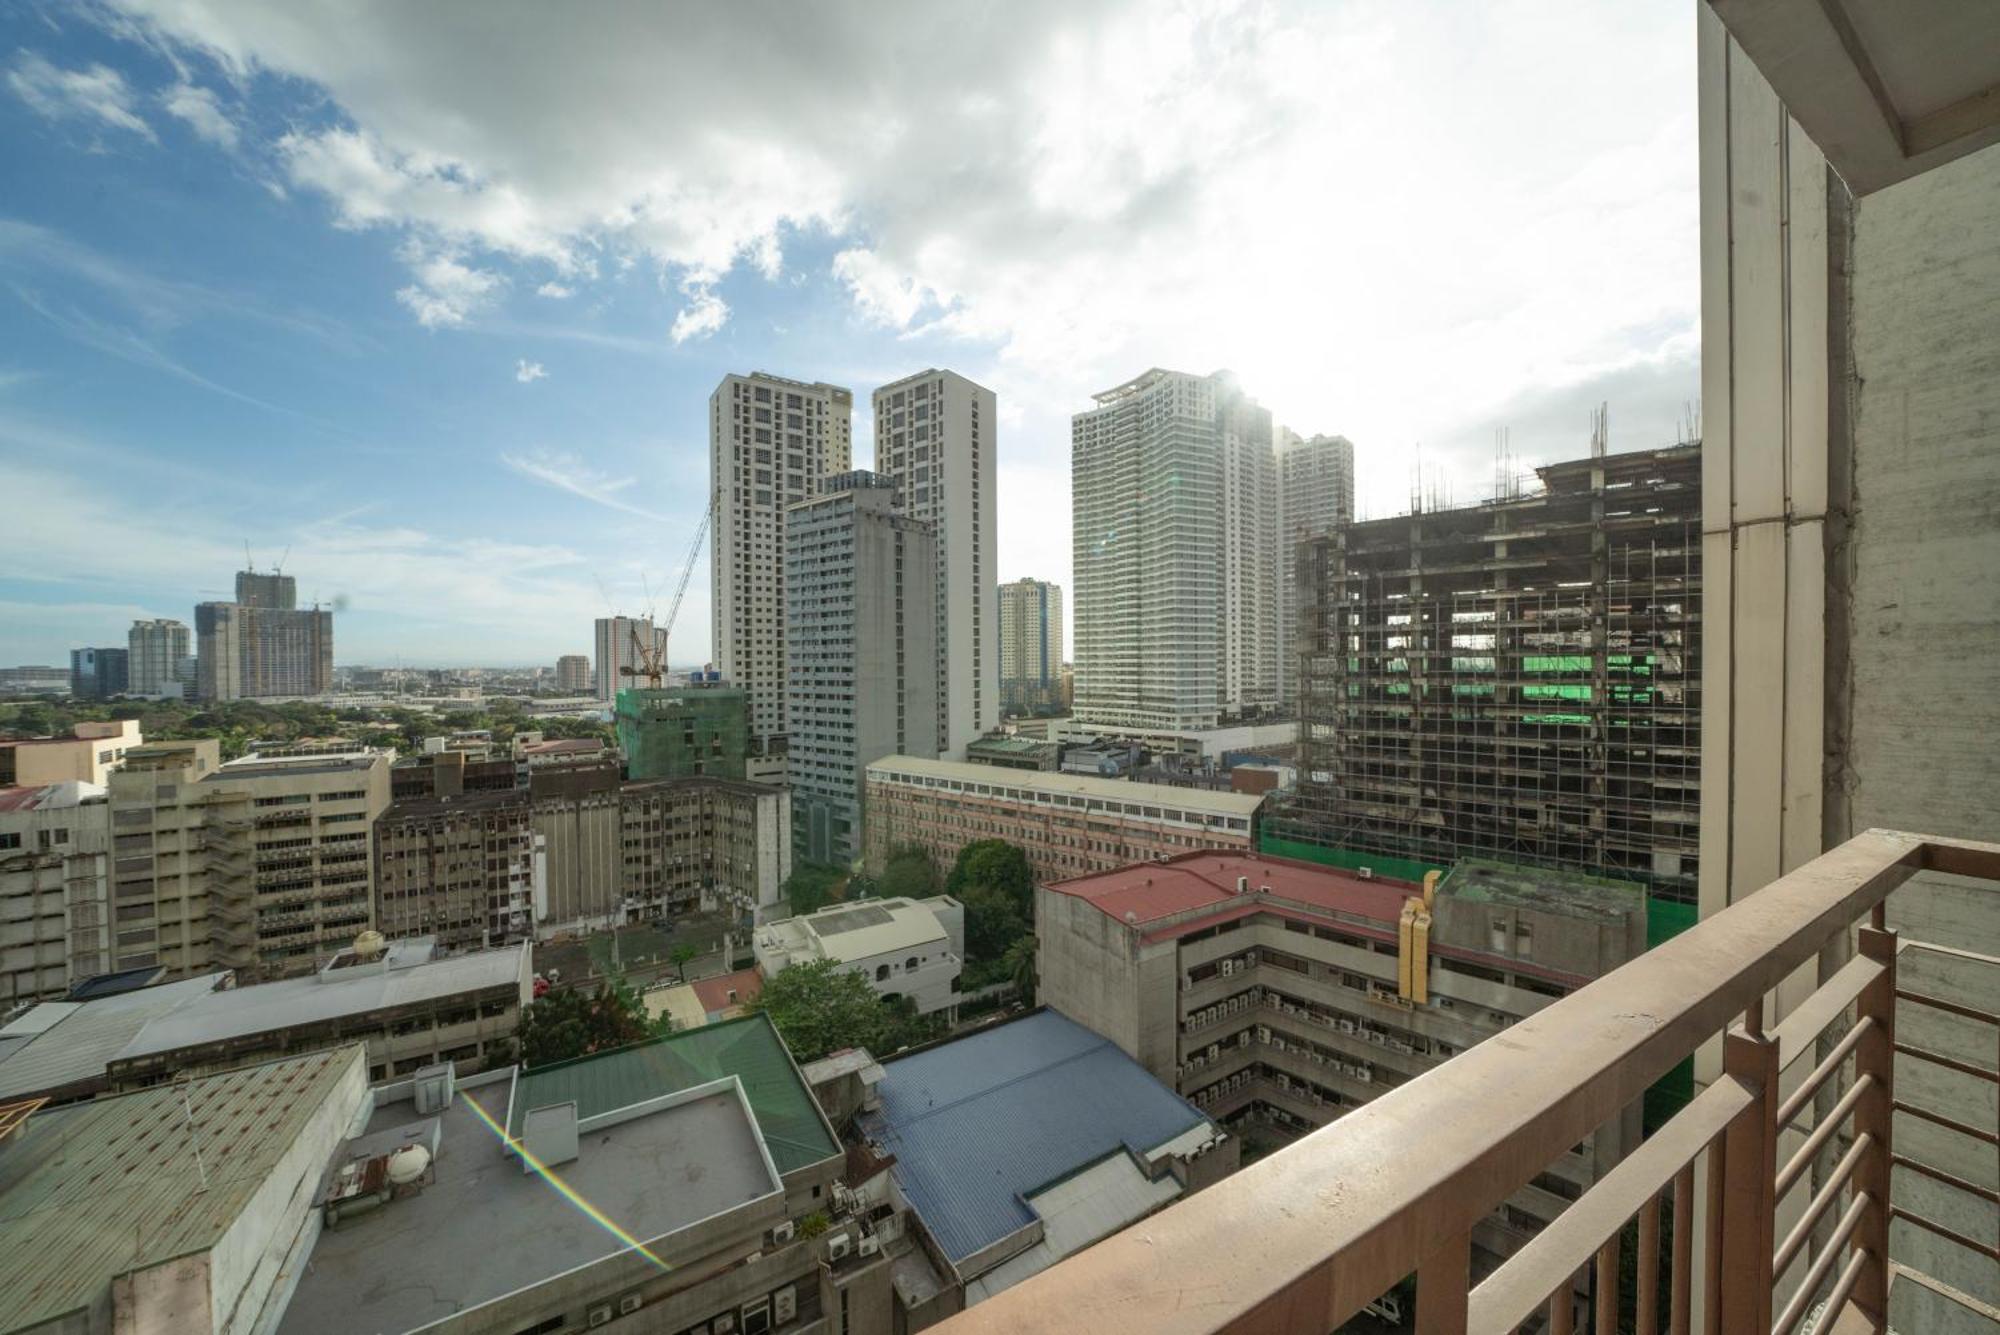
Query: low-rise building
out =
(54, 882)
(1013, 753)
(87, 755)
(912, 948)
(1278, 993)
(1066, 824)
(705, 1000)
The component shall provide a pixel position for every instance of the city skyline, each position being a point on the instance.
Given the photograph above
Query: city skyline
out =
(464, 399)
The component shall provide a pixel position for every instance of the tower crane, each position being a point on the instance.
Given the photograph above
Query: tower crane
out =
(650, 660)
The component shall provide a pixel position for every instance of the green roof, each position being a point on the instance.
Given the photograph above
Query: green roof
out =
(1483, 880)
(747, 1048)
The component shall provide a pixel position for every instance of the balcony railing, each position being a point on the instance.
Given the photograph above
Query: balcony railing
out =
(1794, 1142)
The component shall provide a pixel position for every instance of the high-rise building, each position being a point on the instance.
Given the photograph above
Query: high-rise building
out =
(55, 919)
(262, 645)
(934, 440)
(619, 640)
(770, 442)
(1031, 645)
(161, 658)
(861, 652)
(1175, 534)
(465, 869)
(573, 674)
(1315, 492)
(274, 591)
(98, 674)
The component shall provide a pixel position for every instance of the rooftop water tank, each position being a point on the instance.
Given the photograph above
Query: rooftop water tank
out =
(407, 1164)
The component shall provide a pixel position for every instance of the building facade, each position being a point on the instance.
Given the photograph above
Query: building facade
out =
(935, 441)
(1315, 494)
(861, 652)
(161, 655)
(54, 886)
(87, 755)
(770, 442)
(676, 732)
(262, 645)
(99, 674)
(1174, 498)
(573, 674)
(465, 870)
(906, 949)
(1278, 994)
(619, 641)
(1066, 824)
(1031, 646)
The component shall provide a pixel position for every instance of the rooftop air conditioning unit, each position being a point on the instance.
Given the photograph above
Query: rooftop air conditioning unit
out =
(838, 1246)
(630, 1303)
(870, 1245)
(784, 1232)
(1365, 873)
(600, 1316)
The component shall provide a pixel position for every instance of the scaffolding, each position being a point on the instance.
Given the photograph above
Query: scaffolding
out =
(1518, 679)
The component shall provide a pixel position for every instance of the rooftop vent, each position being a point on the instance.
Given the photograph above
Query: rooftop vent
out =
(1243, 885)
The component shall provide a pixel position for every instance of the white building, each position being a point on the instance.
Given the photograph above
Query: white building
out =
(934, 438)
(861, 646)
(1175, 507)
(618, 642)
(1031, 645)
(55, 919)
(911, 948)
(1315, 492)
(160, 658)
(770, 442)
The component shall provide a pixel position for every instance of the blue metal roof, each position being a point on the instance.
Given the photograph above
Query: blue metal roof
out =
(979, 1123)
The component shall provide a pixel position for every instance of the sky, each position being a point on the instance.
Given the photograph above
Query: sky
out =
(426, 301)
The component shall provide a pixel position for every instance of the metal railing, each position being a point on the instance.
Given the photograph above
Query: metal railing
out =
(1305, 1238)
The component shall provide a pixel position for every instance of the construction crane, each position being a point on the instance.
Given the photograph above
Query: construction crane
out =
(650, 660)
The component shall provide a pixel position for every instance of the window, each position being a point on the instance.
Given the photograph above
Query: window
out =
(881, 973)
(910, 964)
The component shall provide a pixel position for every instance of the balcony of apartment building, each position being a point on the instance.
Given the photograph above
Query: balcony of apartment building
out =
(1837, 1168)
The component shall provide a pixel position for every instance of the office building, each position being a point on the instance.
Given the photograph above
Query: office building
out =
(621, 644)
(87, 755)
(161, 658)
(1315, 493)
(676, 732)
(54, 887)
(34, 679)
(98, 674)
(1031, 646)
(771, 441)
(573, 674)
(1519, 679)
(910, 949)
(1174, 496)
(263, 645)
(463, 869)
(935, 442)
(1065, 824)
(1281, 994)
(861, 650)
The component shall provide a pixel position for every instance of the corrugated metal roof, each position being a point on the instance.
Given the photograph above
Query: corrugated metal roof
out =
(95, 1189)
(749, 1048)
(1045, 783)
(980, 1123)
(1076, 1212)
(89, 1034)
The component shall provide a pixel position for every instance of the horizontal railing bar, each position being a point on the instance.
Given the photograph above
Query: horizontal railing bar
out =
(1796, 1103)
(1948, 1234)
(1948, 1123)
(1823, 1263)
(1939, 1003)
(1949, 1063)
(1795, 1033)
(1898, 1273)
(1828, 1193)
(1949, 1179)
(1960, 857)
(1956, 952)
(1304, 1238)
(1508, 1296)
(1822, 1133)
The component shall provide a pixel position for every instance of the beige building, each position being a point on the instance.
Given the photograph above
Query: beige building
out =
(54, 843)
(1315, 494)
(1067, 824)
(1031, 645)
(573, 673)
(159, 658)
(462, 869)
(90, 753)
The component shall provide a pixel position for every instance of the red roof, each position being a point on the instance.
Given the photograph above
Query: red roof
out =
(19, 799)
(1146, 891)
(713, 993)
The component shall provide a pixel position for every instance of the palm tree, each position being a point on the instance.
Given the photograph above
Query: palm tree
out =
(1020, 962)
(682, 956)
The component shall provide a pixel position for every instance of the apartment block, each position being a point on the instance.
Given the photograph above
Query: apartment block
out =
(1066, 824)
(573, 674)
(935, 441)
(98, 674)
(465, 870)
(1519, 679)
(161, 658)
(620, 641)
(1279, 994)
(1031, 646)
(88, 755)
(861, 652)
(1174, 498)
(263, 644)
(770, 443)
(1315, 495)
(54, 884)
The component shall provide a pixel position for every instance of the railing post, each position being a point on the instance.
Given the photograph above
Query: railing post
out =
(1444, 1281)
(1745, 1232)
(1875, 1055)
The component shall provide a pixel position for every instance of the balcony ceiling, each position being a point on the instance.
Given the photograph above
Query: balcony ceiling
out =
(1888, 89)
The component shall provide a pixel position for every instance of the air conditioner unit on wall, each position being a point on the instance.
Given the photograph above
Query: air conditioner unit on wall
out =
(630, 1303)
(600, 1316)
(784, 1232)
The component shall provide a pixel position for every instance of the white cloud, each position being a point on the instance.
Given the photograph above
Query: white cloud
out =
(703, 315)
(447, 291)
(96, 93)
(203, 113)
(555, 291)
(567, 472)
(528, 372)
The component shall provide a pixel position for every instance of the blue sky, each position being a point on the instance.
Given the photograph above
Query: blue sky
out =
(432, 297)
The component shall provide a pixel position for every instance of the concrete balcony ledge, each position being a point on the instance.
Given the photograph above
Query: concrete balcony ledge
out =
(1303, 1239)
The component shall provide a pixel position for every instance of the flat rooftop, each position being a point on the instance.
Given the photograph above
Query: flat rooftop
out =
(1114, 795)
(485, 1228)
(848, 932)
(271, 767)
(1149, 891)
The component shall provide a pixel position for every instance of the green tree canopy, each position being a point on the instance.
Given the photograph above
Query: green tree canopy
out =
(996, 865)
(993, 922)
(820, 1007)
(570, 1022)
(908, 873)
(810, 886)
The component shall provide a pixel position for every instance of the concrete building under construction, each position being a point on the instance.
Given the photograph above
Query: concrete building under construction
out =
(1518, 679)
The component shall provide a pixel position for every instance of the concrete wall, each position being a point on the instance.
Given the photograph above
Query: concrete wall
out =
(1086, 970)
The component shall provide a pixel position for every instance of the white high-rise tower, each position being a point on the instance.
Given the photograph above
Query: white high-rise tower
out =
(1315, 493)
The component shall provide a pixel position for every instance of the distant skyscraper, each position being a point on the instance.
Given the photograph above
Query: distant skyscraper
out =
(861, 651)
(161, 661)
(770, 441)
(572, 673)
(264, 647)
(934, 438)
(1174, 499)
(1031, 645)
(218, 662)
(618, 643)
(98, 674)
(1315, 492)
(279, 592)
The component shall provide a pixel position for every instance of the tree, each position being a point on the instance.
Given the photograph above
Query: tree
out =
(821, 1007)
(683, 955)
(908, 874)
(569, 1022)
(996, 865)
(810, 886)
(1020, 962)
(993, 922)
